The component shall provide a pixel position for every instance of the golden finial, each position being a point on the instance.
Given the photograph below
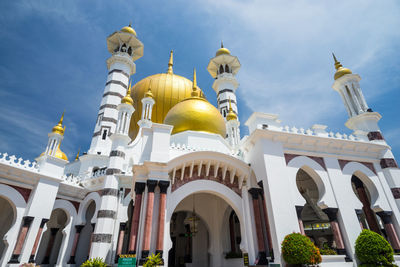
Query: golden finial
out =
(195, 91)
(231, 115)
(222, 44)
(171, 62)
(340, 70)
(59, 129)
(149, 93)
(128, 99)
(77, 155)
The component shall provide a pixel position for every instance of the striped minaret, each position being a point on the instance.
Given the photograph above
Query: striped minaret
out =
(223, 68)
(125, 48)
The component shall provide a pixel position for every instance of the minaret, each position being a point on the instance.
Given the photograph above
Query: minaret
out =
(232, 127)
(147, 104)
(223, 68)
(55, 138)
(125, 48)
(362, 120)
(109, 200)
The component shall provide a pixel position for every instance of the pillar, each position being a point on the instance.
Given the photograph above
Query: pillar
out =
(53, 232)
(386, 217)
(120, 242)
(369, 214)
(161, 216)
(232, 233)
(91, 238)
(139, 188)
(151, 185)
(26, 224)
(337, 234)
(299, 209)
(78, 229)
(262, 256)
(266, 221)
(37, 239)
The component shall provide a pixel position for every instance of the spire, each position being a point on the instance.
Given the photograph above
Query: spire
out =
(149, 93)
(170, 63)
(128, 99)
(59, 127)
(231, 115)
(195, 92)
(77, 155)
(340, 70)
(222, 44)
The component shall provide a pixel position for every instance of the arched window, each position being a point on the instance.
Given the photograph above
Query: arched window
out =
(130, 51)
(226, 69)
(123, 48)
(221, 69)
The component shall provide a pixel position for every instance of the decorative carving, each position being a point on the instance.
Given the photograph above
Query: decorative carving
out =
(101, 238)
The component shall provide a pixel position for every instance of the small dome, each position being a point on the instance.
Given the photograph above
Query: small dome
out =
(127, 99)
(128, 29)
(223, 51)
(340, 70)
(196, 114)
(59, 154)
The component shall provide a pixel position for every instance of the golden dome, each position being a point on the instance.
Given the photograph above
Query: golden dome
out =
(127, 99)
(222, 51)
(168, 89)
(231, 115)
(196, 114)
(128, 29)
(59, 129)
(59, 154)
(340, 70)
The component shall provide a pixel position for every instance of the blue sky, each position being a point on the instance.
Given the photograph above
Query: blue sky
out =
(53, 58)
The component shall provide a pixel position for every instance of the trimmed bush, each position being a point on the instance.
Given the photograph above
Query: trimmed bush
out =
(96, 262)
(326, 250)
(373, 250)
(298, 249)
(153, 260)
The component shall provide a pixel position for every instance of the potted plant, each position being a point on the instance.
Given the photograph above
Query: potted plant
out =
(373, 250)
(95, 262)
(153, 260)
(298, 250)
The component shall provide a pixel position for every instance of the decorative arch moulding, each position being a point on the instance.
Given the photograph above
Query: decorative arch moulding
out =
(76, 204)
(319, 160)
(369, 165)
(25, 192)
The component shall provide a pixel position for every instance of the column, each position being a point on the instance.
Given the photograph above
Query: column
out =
(120, 242)
(267, 226)
(139, 188)
(91, 238)
(262, 256)
(232, 233)
(386, 217)
(369, 214)
(161, 216)
(151, 185)
(78, 229)
(337, 234)
(26, 224)
(36, 244)
(299, 209)
(53, 232)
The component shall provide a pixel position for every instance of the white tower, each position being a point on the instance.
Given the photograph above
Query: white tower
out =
(125, 48)
(363, 121)
(55, 138)
(223, 68)
(232, 127)
(147, 108)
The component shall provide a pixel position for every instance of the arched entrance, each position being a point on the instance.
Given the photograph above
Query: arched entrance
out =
(82, 252)
(6, 221)
(205, 231)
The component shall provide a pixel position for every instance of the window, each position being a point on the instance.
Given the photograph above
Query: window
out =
(226, 69)
(104, 136)
(221, 69)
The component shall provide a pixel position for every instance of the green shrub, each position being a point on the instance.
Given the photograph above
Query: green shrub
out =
(326, 250)
(96, 262)
(153, 260)
(298, 249)
(373, 250)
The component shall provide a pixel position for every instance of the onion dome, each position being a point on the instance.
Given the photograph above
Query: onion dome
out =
(231, 115)
(168, 89)
(128, 29)
(340, 70)
(59, 129)
(127, 99)
(195, 114)
(222, 51)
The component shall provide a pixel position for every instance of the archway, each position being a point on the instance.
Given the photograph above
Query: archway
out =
(201, 234)
(315, 222)
(6, 221)
(83, 246)
(51, 241)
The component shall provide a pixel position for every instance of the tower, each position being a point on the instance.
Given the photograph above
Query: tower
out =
(223, 68)
(362, 120)
(55, 138)
(125, 49)
(147, 107)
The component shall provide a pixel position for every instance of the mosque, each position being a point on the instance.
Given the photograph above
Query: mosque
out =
(169, 173)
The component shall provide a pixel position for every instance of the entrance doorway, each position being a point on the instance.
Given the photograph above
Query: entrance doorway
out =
(205, 232)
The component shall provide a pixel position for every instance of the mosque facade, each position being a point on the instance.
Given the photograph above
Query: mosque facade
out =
(169, 173)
